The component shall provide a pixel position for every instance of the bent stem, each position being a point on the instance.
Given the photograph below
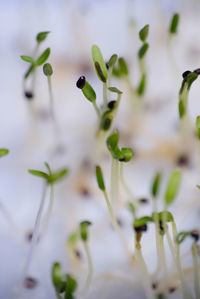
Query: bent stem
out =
(35, 232)
(116, 226)
(90, 267)
(196, 270)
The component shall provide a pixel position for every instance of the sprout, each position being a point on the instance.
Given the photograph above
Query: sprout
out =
(47, 69)
(50, 179)
(35, 62)
(65, 285)
(83, 228)
(142, 85)
(101, 185)
(123, 68)
(174, 24)
(142, 51)
(172, 187)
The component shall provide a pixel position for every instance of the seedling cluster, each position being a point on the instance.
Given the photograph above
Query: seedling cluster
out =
(117, 192)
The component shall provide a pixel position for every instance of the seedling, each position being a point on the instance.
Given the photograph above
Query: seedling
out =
(107, 111)
(102, 187)
(194, 235)
(48, 72)
(50, 178)
(118, 157)
(83, 230)
(65, 285)
(34, 62)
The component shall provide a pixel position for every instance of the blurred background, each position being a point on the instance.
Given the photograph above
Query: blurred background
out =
(26, 128)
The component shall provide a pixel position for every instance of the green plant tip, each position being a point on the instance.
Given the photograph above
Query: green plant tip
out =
(28, 59)
(99, 63)
(115, 90)
(112, 61)
(123, 68)
(142, 221)
(127, 154)
(142, 85)
(143, 33)
(41, 36)
(156, 184)
(99, 177)
(56, 275)
(47, 69)
(174, 23)
(172, 187)
(84, 230)
(112, 140)
(142, 51)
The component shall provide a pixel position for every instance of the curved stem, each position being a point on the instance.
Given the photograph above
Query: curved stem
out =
(90, 266)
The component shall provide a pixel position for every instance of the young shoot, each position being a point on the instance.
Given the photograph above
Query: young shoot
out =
(107, 111)
(186, 130)
(48, 72)
(35, 61)
(83, 229)
(64, 285)
(3, 152)
(101, 185)
(50, 178)
(118, 157)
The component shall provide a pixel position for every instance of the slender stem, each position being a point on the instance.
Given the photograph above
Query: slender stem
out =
(105, 96)
(144, 271)
(50, 206)
(35, 232)
(35, 68)
(196, 270)
(163, 258)
(90, 266)
(116, 225)
(115, 181)
(51, 98)
(157, 235)
(125, 186)
(97, 110)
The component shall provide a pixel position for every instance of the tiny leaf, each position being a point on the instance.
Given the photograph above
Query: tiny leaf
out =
(71, 286)
(84, 230)
(56, 275)
(174, 23)
(172, 187)
(116, 90)
(39, 173)
(127, 154)
(156, 184)
(41, 36)
(89, 92)
(181, 237)
(43, 57)
(47, 69)
(142, 51)
(123, 69)
(142, 85)
(98, 57)
(57, 176)
(99, 177)
(112, 140)
(142, 221)
(99, 72)
(143, 33)
(28, 59)
(112, 60)
(4, 152)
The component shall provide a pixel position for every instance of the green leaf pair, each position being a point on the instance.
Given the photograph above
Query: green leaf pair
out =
(143, 34)
(123, 155)
(63, 284)
(50, 177)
